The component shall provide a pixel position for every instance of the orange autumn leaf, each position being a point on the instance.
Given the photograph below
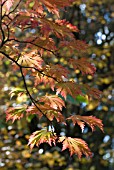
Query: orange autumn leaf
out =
(83, 65)
(68, 87)
(53, 100)
(42, 136)
(15, 113)
(76, 146)
(92, 121)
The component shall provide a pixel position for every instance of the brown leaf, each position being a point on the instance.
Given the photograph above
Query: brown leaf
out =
(83, 65)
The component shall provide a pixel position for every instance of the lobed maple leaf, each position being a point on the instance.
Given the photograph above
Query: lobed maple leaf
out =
(51, 114)
(92, 121)
(69, 87)
(33, 110)
(75, 146)
(74, 45)
(46, 110)
(56, 71)
(15, 113)
(31, 59)
(67, 24)
(40, 78)
(91, 92)
(42, 136)
(83, 65)
(53, 101)
(52, 5)
(55, 27)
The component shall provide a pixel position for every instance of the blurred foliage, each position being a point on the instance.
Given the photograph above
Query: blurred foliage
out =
(95, 21)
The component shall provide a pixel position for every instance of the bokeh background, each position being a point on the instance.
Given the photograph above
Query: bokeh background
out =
(95, 21)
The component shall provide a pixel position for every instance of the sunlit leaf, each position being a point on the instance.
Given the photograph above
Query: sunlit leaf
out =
(92, 121)
(76, 146)
(42, 136)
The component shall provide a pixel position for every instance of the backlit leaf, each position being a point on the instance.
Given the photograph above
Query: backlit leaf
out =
(14, 113)
(53, 101)
(42, 136)
(76, 146)
(83, 65)
(71, 88)
(92, 121)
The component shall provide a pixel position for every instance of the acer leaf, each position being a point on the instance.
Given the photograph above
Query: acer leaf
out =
(33, 110)
(91, 92)
(31, 59)
(92, 121)
(48, 111)
(76, 146)
(51, 114)
(83, 65)
(56, 71)
(53, 101)
(69, 87)
(42, 136)
(40, 78)
(74, 45)
(52, 5)
(14, 113)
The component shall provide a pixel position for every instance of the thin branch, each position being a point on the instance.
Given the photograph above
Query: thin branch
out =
(3, 35)
(4, 2)
(6, 55)
(31, 42)
(32, 99)
(16, 62)
(41, 72)
(25, 85)
(15, 7)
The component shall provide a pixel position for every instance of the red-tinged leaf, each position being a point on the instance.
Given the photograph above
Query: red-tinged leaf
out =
(48, 111)
(45, 42)
(92, 121)
(68, 25)
(69, 87)
(34, 110)
(76, 146)
(36, 7)
(58, 3)
(83, 65)
(42, 136)
(74, 45)
(14, 113)
(92, 92)
(31, 59)
(50, 27)
(53, 101)
(56, 71)
(52, 5)
(39, 78)
(51, 114)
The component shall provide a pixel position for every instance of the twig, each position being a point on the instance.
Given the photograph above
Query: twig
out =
(25, 85)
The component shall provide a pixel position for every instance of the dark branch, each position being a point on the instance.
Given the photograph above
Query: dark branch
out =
(31, 42)
(25, 85)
